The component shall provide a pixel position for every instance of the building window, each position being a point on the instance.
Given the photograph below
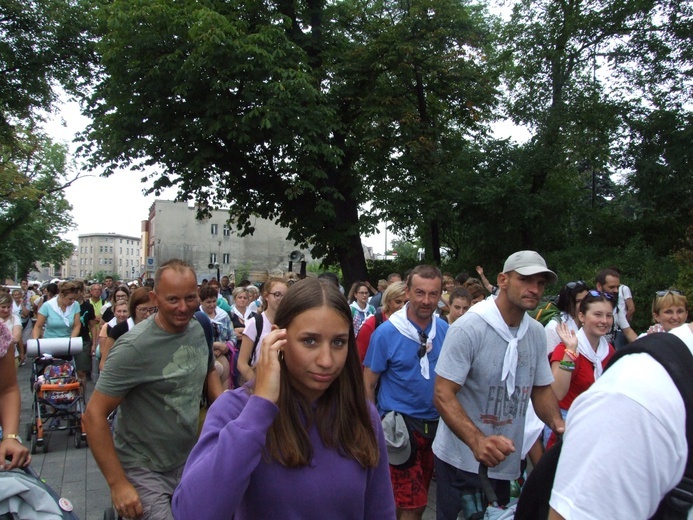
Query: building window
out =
(227, 230)
(226, 257)
(212, 258)
(110, 249)
(215, 229)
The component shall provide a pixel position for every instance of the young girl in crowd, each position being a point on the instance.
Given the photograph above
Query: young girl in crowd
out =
(568, 303)
(301, 441)
(274, 290)
(361, 310)
(580, 359)
(140, 308)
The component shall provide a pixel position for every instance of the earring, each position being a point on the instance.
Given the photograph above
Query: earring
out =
(280, 354)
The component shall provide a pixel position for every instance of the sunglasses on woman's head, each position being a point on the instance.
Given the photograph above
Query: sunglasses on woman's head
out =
(573, 285)
(599, 294)
(659, 294)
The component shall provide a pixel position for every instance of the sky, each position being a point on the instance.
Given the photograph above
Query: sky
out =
(116, 204)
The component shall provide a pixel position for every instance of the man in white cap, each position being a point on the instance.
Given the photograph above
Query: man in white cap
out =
(493, 360)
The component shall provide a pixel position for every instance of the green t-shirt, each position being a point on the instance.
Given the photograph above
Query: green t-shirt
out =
(160, 377)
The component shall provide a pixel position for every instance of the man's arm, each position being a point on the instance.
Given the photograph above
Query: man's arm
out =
(546, 406)
(491, 450)
(553, 515)
(630, 334)
(125, 498)
(630, 309)
(370, 379)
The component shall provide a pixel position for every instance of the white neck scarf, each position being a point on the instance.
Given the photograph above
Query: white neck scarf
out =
(53, 302)
(405, 327)
(596, 358)
(241, 316)
(489, 312)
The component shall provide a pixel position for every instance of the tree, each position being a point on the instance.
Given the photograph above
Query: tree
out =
(33, 209)
(265, 108)
(45, 44)
(561, 53)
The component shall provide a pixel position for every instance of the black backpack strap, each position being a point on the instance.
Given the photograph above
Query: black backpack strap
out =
(206, 323)
(258, 333)
(677, 359)
(378, 318)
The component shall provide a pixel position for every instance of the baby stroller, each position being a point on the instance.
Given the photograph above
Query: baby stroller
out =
(23, 495)
(58, 401)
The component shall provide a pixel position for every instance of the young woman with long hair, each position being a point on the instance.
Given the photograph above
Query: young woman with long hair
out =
(301, 441)
(579, 360)
(139, 309)
(273, 291)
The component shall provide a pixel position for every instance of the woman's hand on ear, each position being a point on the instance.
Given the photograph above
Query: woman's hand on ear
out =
(267, 369)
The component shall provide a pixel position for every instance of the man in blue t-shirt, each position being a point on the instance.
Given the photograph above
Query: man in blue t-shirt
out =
(402, 356)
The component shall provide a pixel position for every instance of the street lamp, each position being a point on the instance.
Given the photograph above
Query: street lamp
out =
(215, 265)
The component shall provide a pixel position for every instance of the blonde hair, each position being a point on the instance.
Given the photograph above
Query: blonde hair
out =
(394, 290)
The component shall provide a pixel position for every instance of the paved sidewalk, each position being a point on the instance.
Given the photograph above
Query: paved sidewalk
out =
(73, 473)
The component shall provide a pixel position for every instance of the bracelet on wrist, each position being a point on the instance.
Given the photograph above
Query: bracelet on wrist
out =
(571, 354)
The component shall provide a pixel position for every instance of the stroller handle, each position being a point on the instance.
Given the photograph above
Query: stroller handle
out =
(486, 485)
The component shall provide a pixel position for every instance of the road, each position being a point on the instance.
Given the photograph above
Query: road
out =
(73, 473)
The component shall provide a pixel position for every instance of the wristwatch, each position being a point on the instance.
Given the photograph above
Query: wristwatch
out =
(12, 436)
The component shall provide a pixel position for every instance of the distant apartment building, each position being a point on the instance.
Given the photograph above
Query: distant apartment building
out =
(173, 231)
(109, 253)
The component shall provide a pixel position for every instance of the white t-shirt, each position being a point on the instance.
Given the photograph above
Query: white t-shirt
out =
(625, 442)
(552, 337)
(251, 331)
(624, 293)
(11, 322)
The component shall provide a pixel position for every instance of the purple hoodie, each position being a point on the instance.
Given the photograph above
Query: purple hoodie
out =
(228, 475)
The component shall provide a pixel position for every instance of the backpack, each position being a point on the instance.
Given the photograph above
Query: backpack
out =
(545, 313)
(378, 318)
(676, 358)
(206, 323)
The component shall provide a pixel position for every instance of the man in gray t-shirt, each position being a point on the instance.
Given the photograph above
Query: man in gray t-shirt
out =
(155, 375)
(493, 360)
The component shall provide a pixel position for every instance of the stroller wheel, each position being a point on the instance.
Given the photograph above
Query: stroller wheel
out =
(29, 432)
(78, 440)
(45, 445)
(33, 445)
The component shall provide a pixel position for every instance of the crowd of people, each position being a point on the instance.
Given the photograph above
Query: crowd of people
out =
(315, 402)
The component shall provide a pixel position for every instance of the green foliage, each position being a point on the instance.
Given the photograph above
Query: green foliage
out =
(311, 111)
(33, 210)
(44, 44)
(100, 276)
